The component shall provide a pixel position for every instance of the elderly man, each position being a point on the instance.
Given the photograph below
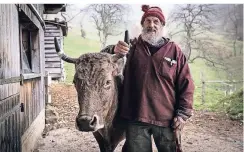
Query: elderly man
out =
(158, 87)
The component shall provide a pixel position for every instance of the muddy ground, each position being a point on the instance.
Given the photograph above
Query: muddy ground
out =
(204, 132)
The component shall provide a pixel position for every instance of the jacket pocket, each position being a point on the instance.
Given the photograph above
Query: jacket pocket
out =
(167, 69)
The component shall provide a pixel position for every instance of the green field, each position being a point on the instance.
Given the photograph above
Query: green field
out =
(75, 45)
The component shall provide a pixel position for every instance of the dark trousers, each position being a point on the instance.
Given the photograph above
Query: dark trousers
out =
(138, 138)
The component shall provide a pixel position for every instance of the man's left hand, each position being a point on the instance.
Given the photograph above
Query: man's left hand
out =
(178, 123)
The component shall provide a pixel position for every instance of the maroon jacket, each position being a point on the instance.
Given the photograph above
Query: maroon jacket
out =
(156, 88)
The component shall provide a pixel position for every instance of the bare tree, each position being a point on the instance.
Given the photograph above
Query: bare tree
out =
(209, 32)
(108, 19)
(83, 32)
(193, 23)
(234, 24)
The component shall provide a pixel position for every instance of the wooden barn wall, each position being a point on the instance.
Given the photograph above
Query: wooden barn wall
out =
(30, 95)
(13, 123)
(25, 8)
(53, 64)
(32, 90)
(39, 8)
(9, 67)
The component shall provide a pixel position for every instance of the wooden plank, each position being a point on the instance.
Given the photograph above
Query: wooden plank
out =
(9, 67)
(4, 44)
(52, 34)
(53, 65)
(51, 28)
(7, 105)
(49, 39)
(47, 46)
(52, 31)
(31, 135)
(14, 130)
(31, 15)
(53, 59)
(53, 70)
(49, 42)
(1, 136)
(50, 51)
(55, 75)
(28, 76)
(51, 55)
(50, 25)
(10, 131)
(30, 96)
(2, 33)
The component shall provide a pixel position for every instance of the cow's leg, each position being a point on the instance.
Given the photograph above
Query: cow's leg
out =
(100, 141)
(117, 136)
(104, 143)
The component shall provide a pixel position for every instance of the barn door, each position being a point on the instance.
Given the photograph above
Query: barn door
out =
(10, 135)
(10, 123)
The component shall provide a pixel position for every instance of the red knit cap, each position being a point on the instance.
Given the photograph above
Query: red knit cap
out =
(152, 11)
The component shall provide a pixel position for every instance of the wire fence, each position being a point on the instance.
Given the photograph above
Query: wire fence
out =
(224, 87)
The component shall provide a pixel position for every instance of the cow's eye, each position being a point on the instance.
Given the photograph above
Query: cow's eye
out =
(107, 84)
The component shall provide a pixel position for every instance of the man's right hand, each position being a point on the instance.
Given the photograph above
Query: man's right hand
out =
(121, 48)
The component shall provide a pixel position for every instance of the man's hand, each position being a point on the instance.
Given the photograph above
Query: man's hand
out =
(178, 123)
(121, 48)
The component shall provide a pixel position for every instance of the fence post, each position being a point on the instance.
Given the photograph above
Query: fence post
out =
(47, 89)
(203, 87)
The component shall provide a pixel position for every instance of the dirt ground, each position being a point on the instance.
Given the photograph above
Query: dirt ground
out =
(204, 132)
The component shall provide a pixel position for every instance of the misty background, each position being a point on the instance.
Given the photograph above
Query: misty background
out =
(210, 36)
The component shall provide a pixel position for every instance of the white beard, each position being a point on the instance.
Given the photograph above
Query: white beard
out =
(152, 37)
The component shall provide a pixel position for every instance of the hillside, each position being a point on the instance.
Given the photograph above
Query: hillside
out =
(232, 105)
(74, 46)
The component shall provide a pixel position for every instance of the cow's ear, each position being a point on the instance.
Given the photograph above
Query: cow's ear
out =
(120, 64)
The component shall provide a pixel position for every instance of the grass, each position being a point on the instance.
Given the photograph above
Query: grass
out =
(232, 105)
(212, 94)
(75, 45)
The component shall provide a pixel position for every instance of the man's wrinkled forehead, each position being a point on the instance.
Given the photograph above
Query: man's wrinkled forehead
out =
(152, 18)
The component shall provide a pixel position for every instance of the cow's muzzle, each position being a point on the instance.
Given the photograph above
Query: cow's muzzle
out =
(88, 123)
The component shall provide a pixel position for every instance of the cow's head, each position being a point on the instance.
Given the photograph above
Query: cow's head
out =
(96, 87)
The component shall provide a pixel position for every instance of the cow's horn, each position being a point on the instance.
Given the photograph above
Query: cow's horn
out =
(62, 55)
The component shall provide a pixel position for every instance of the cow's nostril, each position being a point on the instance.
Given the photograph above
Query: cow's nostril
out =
(93, 122)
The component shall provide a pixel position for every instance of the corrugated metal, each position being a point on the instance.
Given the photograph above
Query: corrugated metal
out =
(53, 64)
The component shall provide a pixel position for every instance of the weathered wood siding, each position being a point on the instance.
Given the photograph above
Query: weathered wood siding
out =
(30, 95)
(14, 123)
(39, 8)
(32, 90)
(31, 15)
(10, 125)
(53, 64)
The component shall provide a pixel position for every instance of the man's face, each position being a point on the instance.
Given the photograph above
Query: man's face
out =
(152, 30)
(152, 24)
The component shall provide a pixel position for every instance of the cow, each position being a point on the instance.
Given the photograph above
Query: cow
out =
(97, 80)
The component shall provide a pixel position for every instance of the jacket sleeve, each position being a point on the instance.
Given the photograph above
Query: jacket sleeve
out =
(184, 87)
